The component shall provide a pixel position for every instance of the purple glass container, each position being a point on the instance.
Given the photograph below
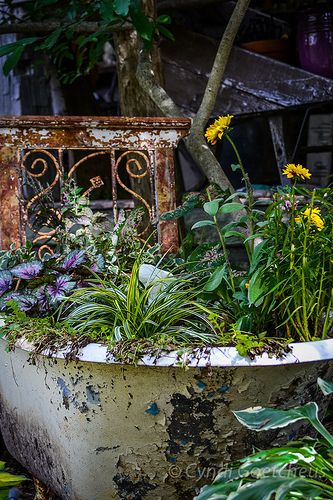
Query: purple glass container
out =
(315, 41)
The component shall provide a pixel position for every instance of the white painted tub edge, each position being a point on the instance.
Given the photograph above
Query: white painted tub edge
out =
(301, 352)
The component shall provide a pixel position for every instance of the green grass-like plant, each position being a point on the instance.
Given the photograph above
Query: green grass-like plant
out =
(164, 309)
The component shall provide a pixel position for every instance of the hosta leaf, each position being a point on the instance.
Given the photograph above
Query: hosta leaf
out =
(263, 419)
(220, 491)
(63, 284)
(74, 259)
(265, 488)
(6, 279)
(325, 386)
(28, 270)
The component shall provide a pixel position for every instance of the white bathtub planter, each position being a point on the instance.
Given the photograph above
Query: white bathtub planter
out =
(96, 429)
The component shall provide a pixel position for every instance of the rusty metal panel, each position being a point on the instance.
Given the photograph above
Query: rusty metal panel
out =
(166, 199)
(141, 147)
(89, 132)
(10, 210)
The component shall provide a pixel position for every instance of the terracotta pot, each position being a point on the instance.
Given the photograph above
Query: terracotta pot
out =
(275, 49)
(96, 429)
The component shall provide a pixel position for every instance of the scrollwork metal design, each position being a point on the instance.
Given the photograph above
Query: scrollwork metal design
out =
(38, 163)
(33, 173)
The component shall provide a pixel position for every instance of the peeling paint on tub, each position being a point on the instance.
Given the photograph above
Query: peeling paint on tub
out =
(153, 409)
(93, 396)
(66, 393)
(224, 388)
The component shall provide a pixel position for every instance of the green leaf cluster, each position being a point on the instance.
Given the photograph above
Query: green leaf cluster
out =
(73, 52)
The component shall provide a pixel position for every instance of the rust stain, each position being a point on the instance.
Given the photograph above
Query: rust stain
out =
(10, 221)
(106, 134)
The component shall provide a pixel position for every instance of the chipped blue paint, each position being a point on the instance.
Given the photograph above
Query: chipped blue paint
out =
(210, 395)
(62, 384)
(153, 409)
(184, 441)
(92, 395)
(66, 393)
(201, 384)
(224, 388)
(172, 459)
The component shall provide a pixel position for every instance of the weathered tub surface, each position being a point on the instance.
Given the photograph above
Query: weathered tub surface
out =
(97, 430)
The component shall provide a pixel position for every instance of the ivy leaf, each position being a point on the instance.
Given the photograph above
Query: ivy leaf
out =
(28, 270)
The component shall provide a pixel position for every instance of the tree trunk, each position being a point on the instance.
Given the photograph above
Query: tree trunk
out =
(133, 100)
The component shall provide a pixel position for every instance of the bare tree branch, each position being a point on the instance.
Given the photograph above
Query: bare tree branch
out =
(147, 80)
(49, 26)
(183, 4)
(195, 143)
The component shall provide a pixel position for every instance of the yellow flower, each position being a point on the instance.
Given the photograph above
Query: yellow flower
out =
(314, 215)
(291, 171)
(217, 129)
(247, 285)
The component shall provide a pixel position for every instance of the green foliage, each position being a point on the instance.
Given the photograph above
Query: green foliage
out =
(73, 52)
(8, 481)
(301, 469)
(87, 245)
(162, 309)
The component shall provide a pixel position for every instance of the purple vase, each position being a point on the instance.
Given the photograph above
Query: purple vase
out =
(315, 41)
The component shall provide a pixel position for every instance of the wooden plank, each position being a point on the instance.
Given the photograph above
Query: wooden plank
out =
(252, 82)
